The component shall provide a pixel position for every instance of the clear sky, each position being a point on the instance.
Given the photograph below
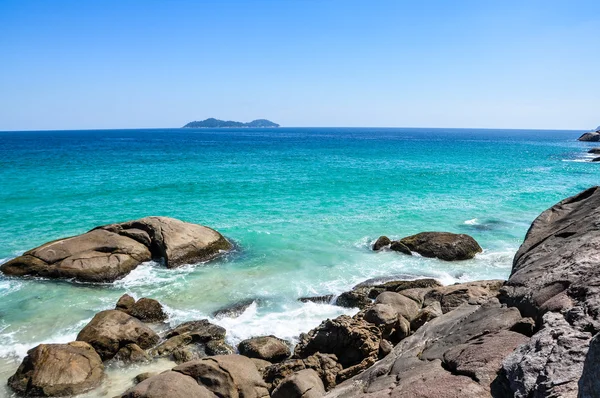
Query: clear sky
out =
(128, 64)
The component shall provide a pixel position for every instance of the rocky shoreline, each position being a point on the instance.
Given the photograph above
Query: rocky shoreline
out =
(528, 336)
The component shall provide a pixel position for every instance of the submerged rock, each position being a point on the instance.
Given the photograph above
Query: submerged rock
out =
(110, 330)
(110, 252)
(443, 245)
(269, 348)
(56, 370)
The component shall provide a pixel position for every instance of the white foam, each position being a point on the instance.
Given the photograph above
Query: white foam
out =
(471, 222)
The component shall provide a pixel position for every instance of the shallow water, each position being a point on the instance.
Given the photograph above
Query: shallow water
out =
(302, 206)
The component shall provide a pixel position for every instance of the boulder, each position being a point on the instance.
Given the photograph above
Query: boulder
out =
(589, 384)
(596, 159)
(354, 342)
(401, 304)
(110, 252)
(234, 310)
(110, 330)
(325, 365)
(147, 310)
(400, 247)
(426, 314)
(402, 285)
(381, 242)
(125, 303)
(381, 315)
(132, 353)
(200, 331)
(443, 245)
(188, 353)
(453, 296)
(594, 150)
(143, 376)
(218, 347)
(357, 298)
(168, 384)
(53, 370)
(302, 384)
(269, 348)
(227, 376)
(591, 136)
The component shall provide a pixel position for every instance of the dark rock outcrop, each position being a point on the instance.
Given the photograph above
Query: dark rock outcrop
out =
(381, 242)
(147, 310)
(55, 370)
(168, 384)
(443, 245)
(357, 298)
(234, 310)
(325, 299)
(269, 348)
(192, 340)
(400, 247)
(592, 136)
(326, 366)
(110, 252)
(111, 330)
(594, 150)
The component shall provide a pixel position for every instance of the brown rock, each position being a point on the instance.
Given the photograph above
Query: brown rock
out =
(302, 384)
(200, 331)
(143, 376)
(453, 296)
(125, 303)
(109, 330)
(381, 242)
(168, 384)
(443, 245)
(53, 370)
(148, 310)
(132, 353)
(426, 314)
(218, 347)
(269, 348)
(357, 298)
(400, 247)
(401, 304)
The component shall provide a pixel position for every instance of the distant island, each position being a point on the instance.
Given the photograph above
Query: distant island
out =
(216, 123)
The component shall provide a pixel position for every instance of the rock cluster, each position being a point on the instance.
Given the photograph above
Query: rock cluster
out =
(110, 252)
(443, 245)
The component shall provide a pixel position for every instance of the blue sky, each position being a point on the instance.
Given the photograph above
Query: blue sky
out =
(129, 64)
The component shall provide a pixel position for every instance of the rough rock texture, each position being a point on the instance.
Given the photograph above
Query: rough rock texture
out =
(403, 305)
(325, 299)
(400, 286)
(269, 348)
(147, 310)
(111, 330)
(589, 384)
(302, 384)
(226, 376)
(168, 384)
(453, 296)
(357, 298)
(218, 347)
(556, 280)
(381, 242)
(110, 252)
(191, 340)
(443, 245)
(591, 136)
(326, 366)
(52, 370)
(200, 331)
(125, 303)
(594, 150)
(354, 342)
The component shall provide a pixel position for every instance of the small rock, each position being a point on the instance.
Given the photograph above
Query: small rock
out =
(443, 245)
(426, 314)
(148, 310)
(398, 246)
(201, 331)
(381, 315)
(132, 353)
(218, 347)
(382, 242)
(326, 299)
(385, 347)
(125, 303)
(594, 150)
(143, 376)
(401, 304)
(269, 348)
(233, 311)
(302, 384)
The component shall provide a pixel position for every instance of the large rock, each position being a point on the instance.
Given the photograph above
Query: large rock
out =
(110, 252)
(594, 150)
(302, 384)
(168, 384)
(589, 384)
(443, 245)
(326, 366)
(232, 376)
(53, 370)
(111, 330)
(453, 296)
(403, 305)
(357, 298)
(192, 340)
(269, 348)
(147, 310)
(591, 136)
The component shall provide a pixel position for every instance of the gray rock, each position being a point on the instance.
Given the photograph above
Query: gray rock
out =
(443, 245)
(53, 370)
(110, 252)
(401, 304)
(302, 384)
(594, 150)
(325, 299)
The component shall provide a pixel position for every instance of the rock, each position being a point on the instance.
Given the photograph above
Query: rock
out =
(148, 310)
(110, 252)
(143, 376)
(172, 344)
(325, 365)
(326, 299)
(302, 384)
(443, 245)
(125, 303)
(398, 246)
(168, 384)
(591, 136)
(218, 347)
(269, 348)
(233, 311)
(260, 364)
(227, 376)
(402, 285)
(525, 326)
(200, 331)
(401, 304)
(596, 159)
(132, 353)
(385, 347)
(589, 384)
(188, 353)
(481, 358)
(381, 242)
(52, 370)
(354, 299)
(110, 330)
(355, 343)
(382, 315)
(426, 314)
(594, 150)
(550, 363)
(453, 296)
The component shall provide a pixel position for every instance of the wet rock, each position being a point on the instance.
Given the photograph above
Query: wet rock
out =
(110, 252)
(269, 348)
(227, 376)
(170, 345)
(594, 150)
(188, 353)
(326, 299)
(302, 384)
(443, 245)
(325, 365)
(453, 296)
(400, 247)
(381, 242)
(132, 353)
(233, 311)
(596, 159)
(53, 370)
(168, 384)
(200, 331)
(110, 330)
(591, 136)
(401, 304)
(402, 285)
(218, 347)
(143, 376)
(357, 298)
(125, 303)
(148, 310)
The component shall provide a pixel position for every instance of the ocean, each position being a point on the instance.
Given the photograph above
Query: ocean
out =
(302, 205)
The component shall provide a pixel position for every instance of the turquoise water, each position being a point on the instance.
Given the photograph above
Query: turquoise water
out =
(302, 206)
